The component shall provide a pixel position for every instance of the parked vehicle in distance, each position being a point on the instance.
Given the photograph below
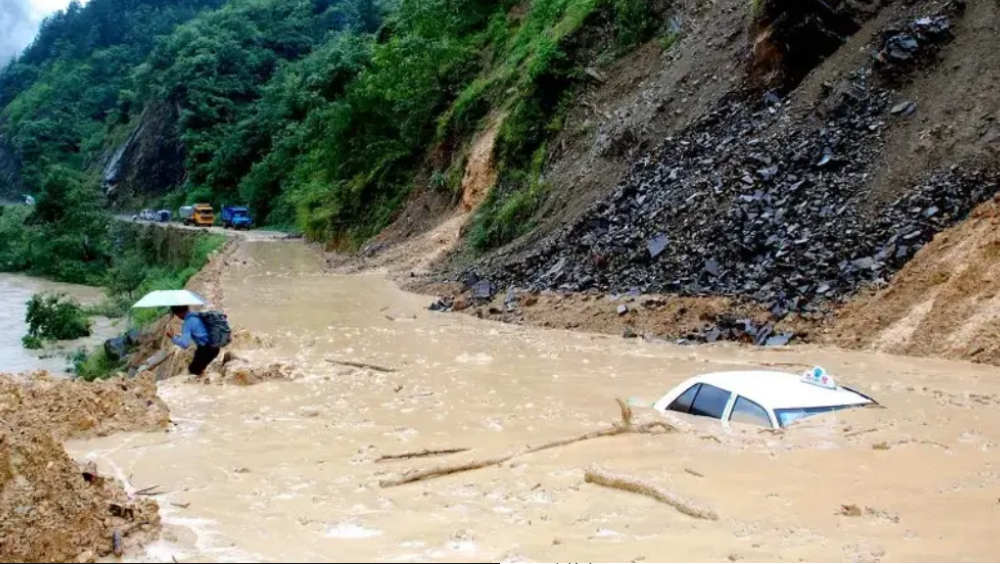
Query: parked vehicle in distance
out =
(147, 215)
(236, 217)
(766, 398)
(164, 216)
(200, 215)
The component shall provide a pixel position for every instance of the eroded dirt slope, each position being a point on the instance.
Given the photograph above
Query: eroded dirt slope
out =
(51, 508)
(71, 409)
(945, 302)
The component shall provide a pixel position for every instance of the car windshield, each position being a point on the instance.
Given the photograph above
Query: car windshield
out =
(788, 416)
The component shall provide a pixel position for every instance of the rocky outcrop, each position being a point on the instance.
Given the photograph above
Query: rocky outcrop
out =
(792, 37)
(150, 162)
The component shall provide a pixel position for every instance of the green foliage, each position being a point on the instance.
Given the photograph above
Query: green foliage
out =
(317, 113)
(634, 22)
(95, 366)
(55, 317)
(32, 342)
(13, 238)
(667, 41)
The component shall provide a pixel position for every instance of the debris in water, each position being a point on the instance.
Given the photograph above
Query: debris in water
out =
(850, 511)
(601, 477)
(366, 365)
(421, 454)
(625, 427)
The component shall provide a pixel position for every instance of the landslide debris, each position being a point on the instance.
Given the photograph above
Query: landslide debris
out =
(769, 200)
(944, 303)
(54, 510)
(51, 508)
(70, 409)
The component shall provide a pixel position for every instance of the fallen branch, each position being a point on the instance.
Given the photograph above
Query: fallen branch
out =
(601, 477)
(148, 491)
(444, 471)
(374, 367)
(694, 472)
(625, 427)
(421, 454)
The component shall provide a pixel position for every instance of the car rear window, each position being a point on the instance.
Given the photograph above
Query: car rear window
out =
(710, 402)
(746, 411)
(684, 401)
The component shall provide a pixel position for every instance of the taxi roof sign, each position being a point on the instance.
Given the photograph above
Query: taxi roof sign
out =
(818, 377)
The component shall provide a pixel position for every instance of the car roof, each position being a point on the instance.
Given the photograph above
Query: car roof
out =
(780, 390)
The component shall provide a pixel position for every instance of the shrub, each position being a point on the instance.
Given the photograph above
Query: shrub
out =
(95, 366)
(634, 22)
(55, 317)
(32, 343)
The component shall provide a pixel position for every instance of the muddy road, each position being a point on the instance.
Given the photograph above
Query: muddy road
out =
(286, 471)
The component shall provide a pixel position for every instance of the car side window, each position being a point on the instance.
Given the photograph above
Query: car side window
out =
(746, 411)
(684, 401)
(710, 402)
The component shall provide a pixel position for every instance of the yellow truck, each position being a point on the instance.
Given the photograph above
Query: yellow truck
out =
(199, 215)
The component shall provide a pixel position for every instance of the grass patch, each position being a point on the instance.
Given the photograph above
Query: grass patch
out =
(669, 40)
(32, 342)
(95, 366)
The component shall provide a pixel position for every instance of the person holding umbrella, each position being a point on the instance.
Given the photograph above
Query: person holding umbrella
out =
(207, 331)
(194, 332)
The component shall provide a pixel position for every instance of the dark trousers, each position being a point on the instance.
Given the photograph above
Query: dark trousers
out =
(203, 356)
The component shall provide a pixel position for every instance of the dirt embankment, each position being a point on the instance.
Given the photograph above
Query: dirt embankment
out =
(944, 303)
(70, 409)
(51, 508)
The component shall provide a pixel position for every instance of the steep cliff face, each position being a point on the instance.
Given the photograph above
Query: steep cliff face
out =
(150, 162)
(10, 177)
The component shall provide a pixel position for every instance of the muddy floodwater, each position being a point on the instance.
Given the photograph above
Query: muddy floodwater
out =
(286, 471)
(15, 291)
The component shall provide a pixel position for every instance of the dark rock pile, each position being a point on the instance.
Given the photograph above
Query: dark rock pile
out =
(754, 204)
(731, 328)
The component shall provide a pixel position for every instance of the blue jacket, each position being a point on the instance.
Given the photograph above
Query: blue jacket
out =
(193, 331)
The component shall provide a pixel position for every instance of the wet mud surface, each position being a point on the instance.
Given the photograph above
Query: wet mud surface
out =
(287, 470)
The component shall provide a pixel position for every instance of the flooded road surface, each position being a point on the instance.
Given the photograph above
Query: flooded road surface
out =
(286, 471)
(15, 291)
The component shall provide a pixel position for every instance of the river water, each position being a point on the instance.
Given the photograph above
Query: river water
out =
(15, 291)
(286, 471)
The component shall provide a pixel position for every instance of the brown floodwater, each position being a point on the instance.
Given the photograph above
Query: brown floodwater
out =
(15, 291)
(286, 471)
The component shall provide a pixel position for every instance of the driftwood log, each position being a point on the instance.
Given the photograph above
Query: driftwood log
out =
(625, 427)
(624, 483)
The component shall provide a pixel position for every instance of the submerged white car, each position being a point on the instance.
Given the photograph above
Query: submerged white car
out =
(766, 398)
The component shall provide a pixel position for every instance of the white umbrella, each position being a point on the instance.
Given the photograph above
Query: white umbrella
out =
(171, 298)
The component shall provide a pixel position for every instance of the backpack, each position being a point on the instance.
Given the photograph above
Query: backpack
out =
(217, 325)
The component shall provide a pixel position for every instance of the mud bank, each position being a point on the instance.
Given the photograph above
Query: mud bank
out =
(73, 409)
(53, 509)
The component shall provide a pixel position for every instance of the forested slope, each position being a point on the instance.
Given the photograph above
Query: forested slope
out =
(322, 114)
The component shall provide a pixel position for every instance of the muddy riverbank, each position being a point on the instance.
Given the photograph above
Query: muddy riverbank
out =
(286, 470)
